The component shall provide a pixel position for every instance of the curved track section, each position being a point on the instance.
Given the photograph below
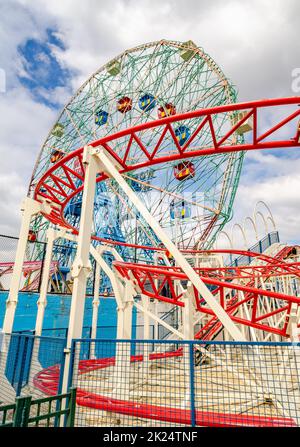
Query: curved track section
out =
(221, 279)
(234, 288)
(32, 271)
(64, 180)
(47, 381)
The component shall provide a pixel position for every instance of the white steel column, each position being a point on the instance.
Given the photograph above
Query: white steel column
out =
(107, 165)
(29, 208)
(121, 375)
(118, 288)
(146, 303)
(188, 313)
(81, 266)
(42, 301)
(96, 303)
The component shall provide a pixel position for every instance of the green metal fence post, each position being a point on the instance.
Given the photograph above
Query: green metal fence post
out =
(22, 411)
(72, 408)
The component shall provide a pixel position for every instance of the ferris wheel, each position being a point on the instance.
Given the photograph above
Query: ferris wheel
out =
(191, 199)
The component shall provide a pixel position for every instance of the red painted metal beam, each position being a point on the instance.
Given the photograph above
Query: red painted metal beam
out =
(48, 191)
(142, 273)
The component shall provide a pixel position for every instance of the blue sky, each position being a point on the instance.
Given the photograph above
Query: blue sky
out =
(48, 49)
(41, 69)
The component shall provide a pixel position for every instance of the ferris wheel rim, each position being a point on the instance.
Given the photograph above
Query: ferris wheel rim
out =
(214, 67)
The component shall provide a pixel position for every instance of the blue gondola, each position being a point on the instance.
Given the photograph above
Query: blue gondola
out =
(145, 177)
(136, 186)
(182, 133)
(147, 102)
(101, 117)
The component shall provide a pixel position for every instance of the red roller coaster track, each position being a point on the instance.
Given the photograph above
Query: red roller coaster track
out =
(64, 180)
(151, 280)
(29, 267)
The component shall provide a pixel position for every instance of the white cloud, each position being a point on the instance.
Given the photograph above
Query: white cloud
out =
(276, 181)
(12, 190)
(24, 125)
(255, 42)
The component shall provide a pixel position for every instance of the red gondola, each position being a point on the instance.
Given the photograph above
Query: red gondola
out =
(31, 236)
(166, 110)
(124, 104)
(56, 156)
(183, 170)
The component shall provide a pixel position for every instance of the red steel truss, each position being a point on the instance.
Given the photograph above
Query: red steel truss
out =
(152, 281)
(64, 180)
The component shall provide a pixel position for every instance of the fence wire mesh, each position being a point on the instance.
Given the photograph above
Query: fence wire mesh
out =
(23, 360)
(139, 383)
(132, 383)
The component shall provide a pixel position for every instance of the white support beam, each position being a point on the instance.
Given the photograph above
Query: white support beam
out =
(96, 303)
(188, 312)
(116, 284)
(146, 303)
(121, 374)
(108, 166)
(81, 266)
(154, 317)
(29, 208)
(124, 297)
(118, 287)
(42, 301)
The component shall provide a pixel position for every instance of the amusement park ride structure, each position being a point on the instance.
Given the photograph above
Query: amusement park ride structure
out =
(145, 258)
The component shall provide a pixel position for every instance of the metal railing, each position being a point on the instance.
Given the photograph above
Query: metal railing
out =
(157, 382)
(36, 250)
(187, 383)
(260, 247)
(48, 411)
(24, 356)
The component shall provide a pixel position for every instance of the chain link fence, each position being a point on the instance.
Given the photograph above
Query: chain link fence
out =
(157, 383)
(22, 357)
(132, 383)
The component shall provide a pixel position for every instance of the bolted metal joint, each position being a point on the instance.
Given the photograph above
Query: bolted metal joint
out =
(79, 268)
